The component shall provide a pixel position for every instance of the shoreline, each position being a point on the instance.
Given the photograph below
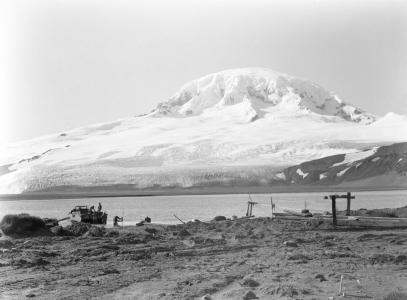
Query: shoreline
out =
(192, 191)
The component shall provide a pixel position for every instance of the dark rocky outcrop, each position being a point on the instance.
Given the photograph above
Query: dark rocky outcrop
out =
(23, 225)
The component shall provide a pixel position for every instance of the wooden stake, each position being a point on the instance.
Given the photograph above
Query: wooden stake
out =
(333, 198)
(179, 219)
(122, 217)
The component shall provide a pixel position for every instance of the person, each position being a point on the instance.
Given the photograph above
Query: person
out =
(99, 207)
(92, 208)
(147, 219)
(116, 221)
(104, 218)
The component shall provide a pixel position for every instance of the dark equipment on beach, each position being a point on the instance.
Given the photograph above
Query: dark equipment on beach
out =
(51, 222)
(305, 212)
(146, 220)
(85, 215)
(333, 198)
(116, 221)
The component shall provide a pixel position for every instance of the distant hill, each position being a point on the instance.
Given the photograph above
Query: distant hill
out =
(378, 166)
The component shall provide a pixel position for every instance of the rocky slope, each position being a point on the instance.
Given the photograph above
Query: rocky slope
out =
(378, 162)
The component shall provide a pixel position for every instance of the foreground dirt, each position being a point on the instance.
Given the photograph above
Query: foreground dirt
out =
(264, 258)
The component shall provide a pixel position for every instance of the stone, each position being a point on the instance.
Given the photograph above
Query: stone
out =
(151, 230)
(6, 244)
(320, 277)
(249, 282)
(96, 231)
(290, 244)
(30, 295)
(57, 230)
(183, 233)
(249, 295)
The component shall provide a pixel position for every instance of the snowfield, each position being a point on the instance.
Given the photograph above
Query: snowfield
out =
(232, 126)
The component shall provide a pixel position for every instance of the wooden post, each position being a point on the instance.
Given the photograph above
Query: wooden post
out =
(179, 219)
(333, 198)
(348, 197)
(272, 207)
(249, 212)
(340, 286)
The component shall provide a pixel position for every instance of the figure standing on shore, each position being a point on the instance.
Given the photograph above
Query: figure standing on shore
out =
(116, 221)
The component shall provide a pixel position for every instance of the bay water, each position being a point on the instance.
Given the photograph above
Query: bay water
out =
(161, 209)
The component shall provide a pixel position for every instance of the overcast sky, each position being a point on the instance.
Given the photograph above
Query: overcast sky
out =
(65, 64)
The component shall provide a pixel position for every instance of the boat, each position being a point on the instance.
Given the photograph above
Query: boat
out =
(81, 213)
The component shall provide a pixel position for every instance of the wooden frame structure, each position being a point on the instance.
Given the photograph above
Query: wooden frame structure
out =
(333, 198)
(249, 212)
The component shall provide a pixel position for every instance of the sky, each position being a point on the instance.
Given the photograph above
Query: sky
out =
(70, 63)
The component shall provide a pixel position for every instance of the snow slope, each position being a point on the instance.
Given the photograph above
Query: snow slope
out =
(232, 126)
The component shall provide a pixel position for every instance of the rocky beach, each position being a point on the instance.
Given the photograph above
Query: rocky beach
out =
(248, 258)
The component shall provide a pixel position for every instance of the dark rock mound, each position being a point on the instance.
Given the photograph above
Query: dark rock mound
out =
(388, 259)
(183, 233)
(290, 243)
(249, 281)
(96, 231)
(400, 212)
(321, 277)
(219, 218)
(151, 230)
(78, 228)
(250, 295)
(6, 244)
(299, 257)
(28, 263)
(395, 296)
(23, 225)
(57, 230)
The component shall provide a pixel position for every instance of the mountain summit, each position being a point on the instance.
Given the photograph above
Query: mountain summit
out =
(257, 89)
(233, 128)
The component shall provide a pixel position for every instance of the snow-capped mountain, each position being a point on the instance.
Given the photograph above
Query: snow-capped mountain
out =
(237, 127)
(256, 89)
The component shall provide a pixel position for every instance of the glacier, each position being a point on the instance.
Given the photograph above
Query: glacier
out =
(238, 126)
